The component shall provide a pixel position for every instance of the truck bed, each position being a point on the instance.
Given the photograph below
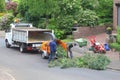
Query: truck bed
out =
(31, 35)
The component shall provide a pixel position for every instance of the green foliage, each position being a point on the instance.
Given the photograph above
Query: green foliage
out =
(92, 61)
(23, 8)
(116, 46)
(64, 63)
(118, 39)
(17, 1)
(114, 42)
(65, 23)
(64, 13)
(2, 5)
(6, 20)
(58, 33)
(33, 10)
(98, 62)
(41, 23)
(68, 40)
(105, 11)
(89, 4)
(69, 7)
(109, 30)
(87, 18)
(61, 53)
(118, 35)
(42, 7)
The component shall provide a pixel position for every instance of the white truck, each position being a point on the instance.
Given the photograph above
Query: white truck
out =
(26, 37)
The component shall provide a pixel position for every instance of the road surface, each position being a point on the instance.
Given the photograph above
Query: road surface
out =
(30, 66)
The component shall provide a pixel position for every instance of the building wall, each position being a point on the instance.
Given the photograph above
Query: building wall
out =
(115, 15)
(82, 32)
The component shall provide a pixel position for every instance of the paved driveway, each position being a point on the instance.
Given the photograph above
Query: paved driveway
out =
(112, 55)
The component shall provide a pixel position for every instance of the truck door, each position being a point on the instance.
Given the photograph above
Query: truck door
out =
(8, 36)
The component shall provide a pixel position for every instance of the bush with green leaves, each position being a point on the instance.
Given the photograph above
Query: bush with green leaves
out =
(116, 46)
(6, 20)
(65, 23)
(86, 18)
(58, 33)
(60, 13)
(2, 5)
(92, 61)
(118, 35)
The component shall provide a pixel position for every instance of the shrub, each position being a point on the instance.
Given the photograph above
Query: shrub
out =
(116, 46)
(6, 20)
(87, 18)
(59, 33)
(65, 23)
(118, 35)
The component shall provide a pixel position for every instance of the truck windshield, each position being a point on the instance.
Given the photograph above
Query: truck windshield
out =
(25, 25)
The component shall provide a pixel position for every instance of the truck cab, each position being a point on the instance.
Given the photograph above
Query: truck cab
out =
(8, 32)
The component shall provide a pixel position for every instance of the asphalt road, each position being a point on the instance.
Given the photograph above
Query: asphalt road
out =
(30, 66)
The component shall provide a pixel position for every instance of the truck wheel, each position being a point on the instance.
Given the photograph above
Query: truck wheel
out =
(7, 44)
(22, 49)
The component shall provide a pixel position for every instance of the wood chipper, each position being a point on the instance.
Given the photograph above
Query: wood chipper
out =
(96, 46)
(45, 48)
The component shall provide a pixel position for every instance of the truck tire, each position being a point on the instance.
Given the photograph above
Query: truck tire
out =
(22, 49)
(7, 44)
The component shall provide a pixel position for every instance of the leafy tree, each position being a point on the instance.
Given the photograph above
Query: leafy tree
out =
(2, 5)
(17, 1)
(89, 4)
(38, 9)
(71, 11)
(23, 7)
(58, 13)
(12, 6)
(5, 21)
(105, 11)
(87, 18)
(69, 7)
(66, 17)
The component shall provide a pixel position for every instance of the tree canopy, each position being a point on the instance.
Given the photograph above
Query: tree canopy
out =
(63, 14)
(2, 5)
